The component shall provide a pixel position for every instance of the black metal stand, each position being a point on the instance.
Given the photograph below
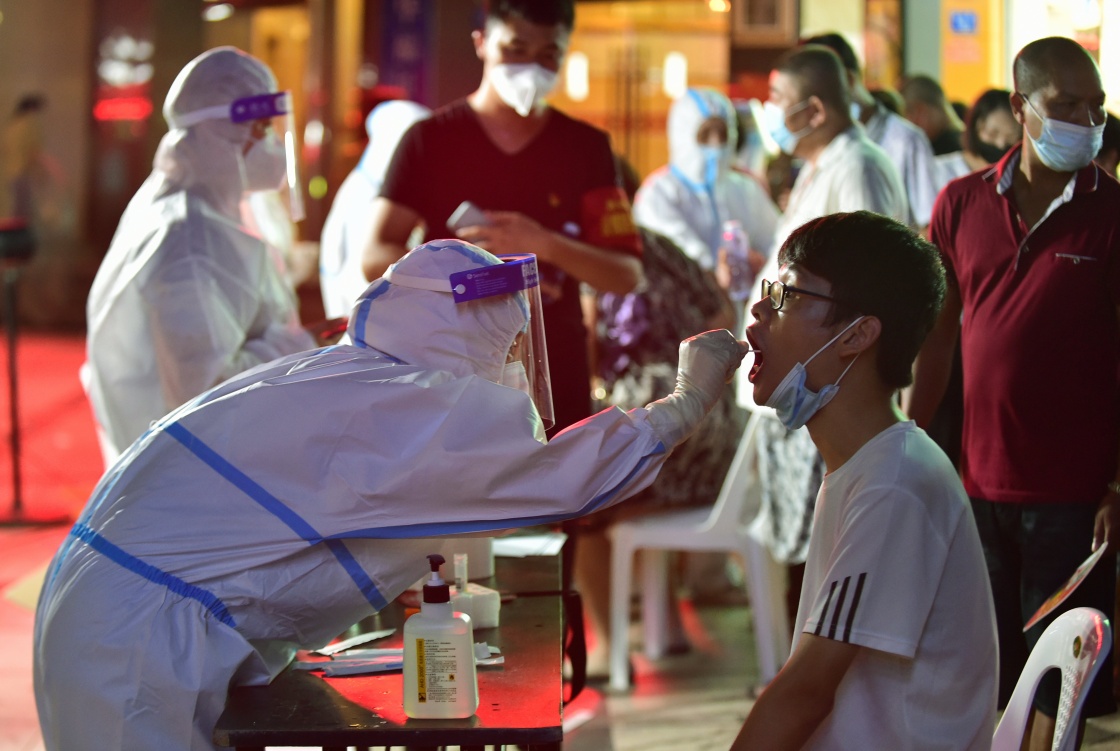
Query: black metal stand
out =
(16, 251)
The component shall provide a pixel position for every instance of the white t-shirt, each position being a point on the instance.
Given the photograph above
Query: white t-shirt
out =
(908, 148)
(895, 565)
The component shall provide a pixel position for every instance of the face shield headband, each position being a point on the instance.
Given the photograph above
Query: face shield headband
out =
(526, 366)
(276, 107)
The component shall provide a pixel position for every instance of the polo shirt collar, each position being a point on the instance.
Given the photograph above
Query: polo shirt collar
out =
(1003, 174)
(1085, 180)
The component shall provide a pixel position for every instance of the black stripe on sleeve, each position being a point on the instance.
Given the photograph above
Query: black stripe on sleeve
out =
(854, 607)
(824, 610)
(839, 606)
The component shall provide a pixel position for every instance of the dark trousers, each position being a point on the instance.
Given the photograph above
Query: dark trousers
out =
(1031, 550)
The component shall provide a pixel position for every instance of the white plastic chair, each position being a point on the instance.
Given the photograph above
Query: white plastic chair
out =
(722, 528)
(1073, 643)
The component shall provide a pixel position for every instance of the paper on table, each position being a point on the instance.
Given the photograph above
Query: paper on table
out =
(354, 641)
(367, 661)
(1066, 589)
(520, 546)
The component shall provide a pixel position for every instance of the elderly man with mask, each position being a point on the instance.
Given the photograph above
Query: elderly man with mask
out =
(350, 219)
(905, 144)
(689, 199)
(187, 297)
(280, 508)
(808, 116)
(1032, 246)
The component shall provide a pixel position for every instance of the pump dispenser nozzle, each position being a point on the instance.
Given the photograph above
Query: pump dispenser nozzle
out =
(436, 589)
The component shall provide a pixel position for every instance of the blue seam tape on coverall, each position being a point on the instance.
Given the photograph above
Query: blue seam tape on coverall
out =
(212, 604)
(277, 508)
(449, 528)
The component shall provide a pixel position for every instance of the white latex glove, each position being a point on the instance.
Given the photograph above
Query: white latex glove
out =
(707, 363)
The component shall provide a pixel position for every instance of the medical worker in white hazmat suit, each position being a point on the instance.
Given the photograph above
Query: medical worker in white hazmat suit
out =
(280, 508)
(349, 224)
(689, 199)
(186, 297)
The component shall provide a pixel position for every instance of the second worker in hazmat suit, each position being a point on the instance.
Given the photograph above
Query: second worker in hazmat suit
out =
(349, 223)
(690, 199)
(186, 297)
(282, 507)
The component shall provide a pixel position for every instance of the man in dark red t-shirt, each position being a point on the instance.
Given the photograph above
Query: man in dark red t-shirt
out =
(1032, 247)
(547, 182)
(548, 186)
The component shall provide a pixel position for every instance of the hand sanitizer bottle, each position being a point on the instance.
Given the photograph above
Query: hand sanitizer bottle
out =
(439, 674)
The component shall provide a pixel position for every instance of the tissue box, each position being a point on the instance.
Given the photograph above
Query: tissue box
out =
(481, 603)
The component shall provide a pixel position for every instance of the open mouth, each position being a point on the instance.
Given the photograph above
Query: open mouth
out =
(757, 366)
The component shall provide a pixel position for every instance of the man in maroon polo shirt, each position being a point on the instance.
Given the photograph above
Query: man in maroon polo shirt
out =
(1032, 248)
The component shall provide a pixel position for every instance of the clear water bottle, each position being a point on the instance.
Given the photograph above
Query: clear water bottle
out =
(736, 242)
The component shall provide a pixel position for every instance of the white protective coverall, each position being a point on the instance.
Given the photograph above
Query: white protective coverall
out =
(349, 224)
(186, 297)
(280, 508)
(689, 199)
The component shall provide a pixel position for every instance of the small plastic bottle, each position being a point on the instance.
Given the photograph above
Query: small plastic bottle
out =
(737, 243)
(439, 673)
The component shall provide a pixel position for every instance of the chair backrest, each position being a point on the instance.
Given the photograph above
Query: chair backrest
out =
(1073, 643)
(727, 512)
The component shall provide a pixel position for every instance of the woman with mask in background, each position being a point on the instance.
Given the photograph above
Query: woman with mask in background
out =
(990, 130)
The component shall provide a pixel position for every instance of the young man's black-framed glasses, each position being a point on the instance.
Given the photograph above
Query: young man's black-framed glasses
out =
(777, 292)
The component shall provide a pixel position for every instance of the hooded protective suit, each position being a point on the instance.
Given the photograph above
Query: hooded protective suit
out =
(689, 199)
(280, 508)
(349, 224)
(185, 297)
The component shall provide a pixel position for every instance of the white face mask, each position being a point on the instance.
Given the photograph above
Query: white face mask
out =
(265, 164)
(794, 402)
(522, 85)
(515, 377)
(774, 121)
(1065, 147)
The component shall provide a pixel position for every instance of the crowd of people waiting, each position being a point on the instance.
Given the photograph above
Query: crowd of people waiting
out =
(871, 218)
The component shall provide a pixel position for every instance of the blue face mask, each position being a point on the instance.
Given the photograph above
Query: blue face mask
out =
(794, 402)
(774, 121)
(712, 156)
(1065, 147)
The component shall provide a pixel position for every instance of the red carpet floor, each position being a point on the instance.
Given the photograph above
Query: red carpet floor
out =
(60, 461)
(60, 465)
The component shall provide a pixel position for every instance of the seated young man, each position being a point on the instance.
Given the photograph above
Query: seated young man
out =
(895, 642)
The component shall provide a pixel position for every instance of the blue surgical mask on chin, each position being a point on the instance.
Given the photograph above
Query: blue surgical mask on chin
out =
(795, 402)
(1065, 147)
(774, 121)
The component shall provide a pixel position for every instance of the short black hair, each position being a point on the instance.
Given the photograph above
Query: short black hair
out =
(540, 12)
(1035, 63)
(838, 44)
(876, 267)
(819, 73)
(889, 98)
(923, 88)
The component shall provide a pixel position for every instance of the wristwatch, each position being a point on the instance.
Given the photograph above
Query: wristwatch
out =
(1114, 487)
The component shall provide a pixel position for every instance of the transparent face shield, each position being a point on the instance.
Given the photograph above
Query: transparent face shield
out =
(271, 118)
(526, 366)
